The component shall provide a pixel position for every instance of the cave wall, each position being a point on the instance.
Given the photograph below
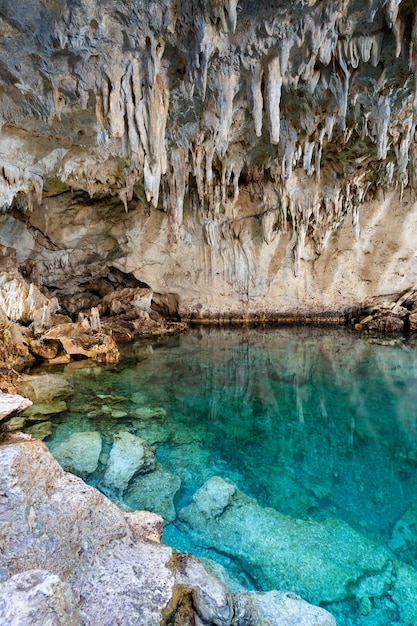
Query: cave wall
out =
(250, 157)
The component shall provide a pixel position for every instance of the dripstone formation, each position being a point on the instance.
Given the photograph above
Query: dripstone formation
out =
(239, 159)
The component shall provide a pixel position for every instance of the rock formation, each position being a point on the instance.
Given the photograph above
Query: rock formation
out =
(99, 565)
(241, 159)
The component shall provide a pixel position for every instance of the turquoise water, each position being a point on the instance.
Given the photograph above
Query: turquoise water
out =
(315, 424)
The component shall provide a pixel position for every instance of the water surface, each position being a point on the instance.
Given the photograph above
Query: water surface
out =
(314, 423)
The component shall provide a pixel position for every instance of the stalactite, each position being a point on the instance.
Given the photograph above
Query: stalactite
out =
(308, 155)
(257, 99)
(382, 113)
(227, 85)
(391, 12)
(274, 86)
(14, 180)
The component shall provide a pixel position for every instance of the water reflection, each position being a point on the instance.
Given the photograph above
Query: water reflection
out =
(314, 423)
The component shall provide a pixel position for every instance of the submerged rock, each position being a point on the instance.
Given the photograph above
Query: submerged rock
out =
(79, 453)
(404, 535)
(40, 412)
(40, 431)
(154, 491)
(129, 455)
(150, 412)
(322, 561)
(278, 608)
(44, 388)
(56, 528)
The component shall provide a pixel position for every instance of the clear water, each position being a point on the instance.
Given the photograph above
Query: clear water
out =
(315, 423)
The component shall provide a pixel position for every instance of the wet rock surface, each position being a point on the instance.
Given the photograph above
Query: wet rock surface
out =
(79, 453)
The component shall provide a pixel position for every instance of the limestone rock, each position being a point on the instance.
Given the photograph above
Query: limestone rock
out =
(150, 412)
(76, 341)
(15, 423)
(122, 300)
(10, 404)
(155, 492)
(279, 552)
(56, 528)
(129, 455)
(19, 299)
(227, 155)
(79, 453)
(210, 598)
(278, 608)
(43, 388)
(40, 431)
(404, 536)
(145, 524)
(54, 521)
(37, 597)
(42, 412)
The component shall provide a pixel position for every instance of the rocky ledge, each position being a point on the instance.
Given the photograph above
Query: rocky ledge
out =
(100, 565)
(36, 327)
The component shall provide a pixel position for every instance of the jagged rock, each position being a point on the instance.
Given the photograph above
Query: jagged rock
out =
(122, 300)
(55, 521)
(79, 453)
(115, 570)
(209, 597)
(76, 341)
(10, 404)
(129, 455)
(19, 299)
(37, 597)
(278, 608)
(155, 492)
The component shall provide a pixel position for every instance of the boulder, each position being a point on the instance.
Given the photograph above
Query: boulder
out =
(77, 340)
(129, 455)
(11, 404)
(208, 597)
(155, 492)
(43, 388)
(42, 412)
(79, 453)
(54, 521)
